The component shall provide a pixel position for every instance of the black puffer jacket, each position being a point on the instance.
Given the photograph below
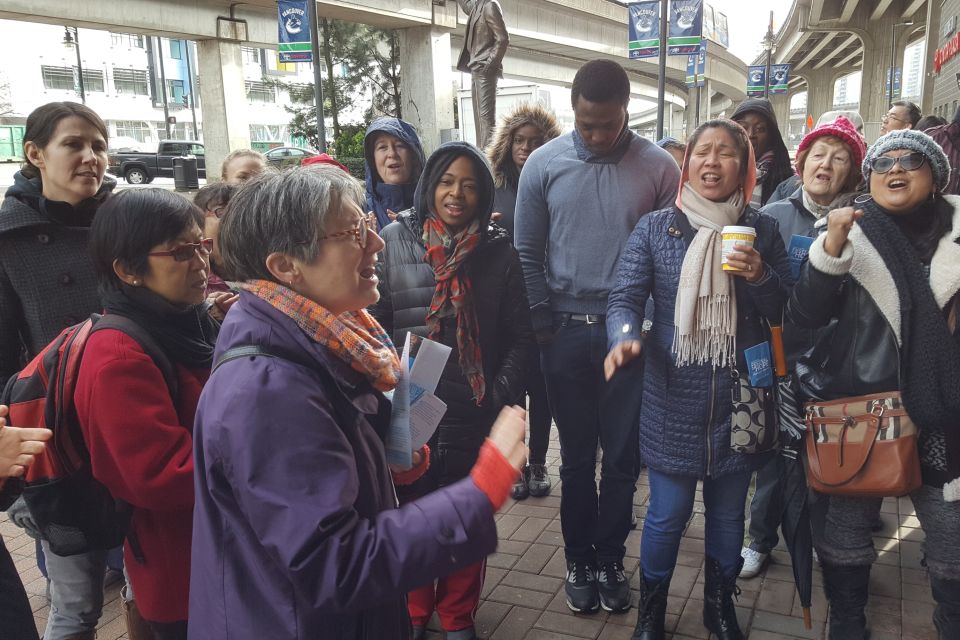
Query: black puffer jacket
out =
(47, 281)
(407, 284)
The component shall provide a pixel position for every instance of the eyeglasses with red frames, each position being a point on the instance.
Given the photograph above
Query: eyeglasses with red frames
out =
(360, 232)
(187, 251)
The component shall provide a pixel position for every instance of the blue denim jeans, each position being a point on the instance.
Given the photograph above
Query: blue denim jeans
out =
(76, 592)
(588, 410)
(671, 504)
(766, 508)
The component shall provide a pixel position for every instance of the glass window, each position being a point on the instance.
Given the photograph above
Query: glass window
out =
(131, 82)
(196, 149)
(175, 92)
(260, 92)
(176, 51)
(136, 129)
(285, 67)
(64, 78)
(251, 55)
(129, 40)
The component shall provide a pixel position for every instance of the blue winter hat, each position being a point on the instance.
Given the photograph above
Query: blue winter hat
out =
(914, 141)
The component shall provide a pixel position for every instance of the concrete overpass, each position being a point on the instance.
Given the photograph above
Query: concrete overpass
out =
(824, 40)
(550, 39)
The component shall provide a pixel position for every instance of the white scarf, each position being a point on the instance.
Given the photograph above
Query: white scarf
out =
(818, 210)
(705, 317)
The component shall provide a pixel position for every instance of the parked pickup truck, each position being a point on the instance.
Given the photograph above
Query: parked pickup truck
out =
(141, 168)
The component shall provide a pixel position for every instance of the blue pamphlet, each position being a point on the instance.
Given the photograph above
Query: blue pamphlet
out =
(797, 252)
(760, 365)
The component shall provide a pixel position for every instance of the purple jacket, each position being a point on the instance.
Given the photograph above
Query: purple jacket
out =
(296, 532)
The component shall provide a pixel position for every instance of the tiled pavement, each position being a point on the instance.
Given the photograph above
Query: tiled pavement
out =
(523, 592)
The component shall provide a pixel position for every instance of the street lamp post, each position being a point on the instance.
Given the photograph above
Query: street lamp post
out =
(768, 45)
(71, 40)
(893, 57)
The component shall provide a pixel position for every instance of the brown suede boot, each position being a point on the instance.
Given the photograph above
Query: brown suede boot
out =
(137, 627)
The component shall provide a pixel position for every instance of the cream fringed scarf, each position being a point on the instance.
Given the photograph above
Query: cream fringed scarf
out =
(705, 318)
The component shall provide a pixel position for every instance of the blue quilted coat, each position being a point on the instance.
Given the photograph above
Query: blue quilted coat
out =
(685, 419)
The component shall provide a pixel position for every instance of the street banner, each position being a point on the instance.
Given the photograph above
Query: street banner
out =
(293, 39)
(709, 24)
(720, 25)
(696, 67)
(643, 29)
(898, 76)
(686, 27)
(779, 78)
(756, 80)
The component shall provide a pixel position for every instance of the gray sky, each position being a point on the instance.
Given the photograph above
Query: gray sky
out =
(748, 20)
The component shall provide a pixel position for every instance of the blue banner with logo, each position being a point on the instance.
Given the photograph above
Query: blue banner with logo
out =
(643, 29)
(696, 67)
(779, 78)
(686, 27)
(756, 80)
(293, 39)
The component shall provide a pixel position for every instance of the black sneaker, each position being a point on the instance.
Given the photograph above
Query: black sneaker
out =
(520, 490)
(539, 481)
(581, 587)
(613, 587)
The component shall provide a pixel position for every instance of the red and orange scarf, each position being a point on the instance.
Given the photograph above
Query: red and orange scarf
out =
(453, 295)
(354, 336)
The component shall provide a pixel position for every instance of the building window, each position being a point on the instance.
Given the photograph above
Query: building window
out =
(131, 82)
(285, 67)
(175, 92)
(260, 92)
(176, 49)
(129, 40)
(136, 129)
(63, 78)
(251, 55)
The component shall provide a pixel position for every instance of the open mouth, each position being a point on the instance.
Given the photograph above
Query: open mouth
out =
(369, 273)
(453, 209)
(895, 185)
(823, 177)
(710, 179)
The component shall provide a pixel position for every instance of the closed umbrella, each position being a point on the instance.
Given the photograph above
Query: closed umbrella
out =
(795, 519)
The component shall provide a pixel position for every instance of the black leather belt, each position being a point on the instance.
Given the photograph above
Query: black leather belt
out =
(588, 318)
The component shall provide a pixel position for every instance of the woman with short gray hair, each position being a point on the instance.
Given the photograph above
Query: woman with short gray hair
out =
(297, 533)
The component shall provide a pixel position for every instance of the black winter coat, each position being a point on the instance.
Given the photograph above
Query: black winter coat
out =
(47, 282)
(406, 287)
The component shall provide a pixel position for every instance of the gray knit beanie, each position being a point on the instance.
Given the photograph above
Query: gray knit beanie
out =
(914, 141)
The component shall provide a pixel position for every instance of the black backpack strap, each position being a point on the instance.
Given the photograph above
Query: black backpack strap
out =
(147, 343)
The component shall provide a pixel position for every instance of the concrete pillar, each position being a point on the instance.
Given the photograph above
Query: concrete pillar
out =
(781, 109)
(427, 86)
(820, 85)
(932, 40)
(874, 99)
(223, 98)
(676, 124)
(707, 100)
(691, 112)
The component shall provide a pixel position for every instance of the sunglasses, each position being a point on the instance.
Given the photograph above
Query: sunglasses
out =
(187, 251)
(360, 232)
(909, 162)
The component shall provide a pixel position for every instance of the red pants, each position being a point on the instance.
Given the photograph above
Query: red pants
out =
(455, 597)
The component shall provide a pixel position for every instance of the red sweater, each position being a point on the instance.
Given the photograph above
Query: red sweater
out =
(141, 448)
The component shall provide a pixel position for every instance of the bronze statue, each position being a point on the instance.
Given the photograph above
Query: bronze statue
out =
(482, 56)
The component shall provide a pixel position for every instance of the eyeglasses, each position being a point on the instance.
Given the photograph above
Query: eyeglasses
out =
(187, 251)
(217, 212)
(890, 116)
(359, 232)
(909, 162)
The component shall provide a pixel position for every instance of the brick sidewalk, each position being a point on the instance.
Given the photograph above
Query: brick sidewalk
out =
(523, 594)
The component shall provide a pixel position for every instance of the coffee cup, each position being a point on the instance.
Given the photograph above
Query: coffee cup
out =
(734, 235)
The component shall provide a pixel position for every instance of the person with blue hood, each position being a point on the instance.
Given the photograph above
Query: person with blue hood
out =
(447, 273)
(394, 159)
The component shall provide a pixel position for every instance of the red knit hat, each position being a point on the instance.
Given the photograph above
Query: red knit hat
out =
(842, 129)
(323, 158)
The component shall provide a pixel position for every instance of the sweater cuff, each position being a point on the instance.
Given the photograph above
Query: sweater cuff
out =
(825, 263)
(414, 473)
(951, 491)
(493, 474)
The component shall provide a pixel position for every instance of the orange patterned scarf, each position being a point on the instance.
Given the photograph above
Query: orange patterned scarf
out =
(354, 336)
(453, 295)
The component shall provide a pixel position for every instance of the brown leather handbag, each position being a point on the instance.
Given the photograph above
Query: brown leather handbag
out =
(864, 446)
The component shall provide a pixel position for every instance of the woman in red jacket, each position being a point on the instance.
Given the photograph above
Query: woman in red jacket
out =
(152, 263)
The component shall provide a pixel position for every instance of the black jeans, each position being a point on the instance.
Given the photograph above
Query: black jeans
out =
(540, 414)
(766, 508)
(16, 617)
(168, 630)
(588, 410)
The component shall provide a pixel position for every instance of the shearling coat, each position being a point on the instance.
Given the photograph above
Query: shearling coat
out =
(47, 281)
(500, 153)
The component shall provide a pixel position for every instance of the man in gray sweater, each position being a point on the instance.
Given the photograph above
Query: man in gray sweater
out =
(580, 196)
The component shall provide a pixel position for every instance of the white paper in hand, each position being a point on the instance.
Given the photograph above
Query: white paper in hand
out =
(399, 448)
